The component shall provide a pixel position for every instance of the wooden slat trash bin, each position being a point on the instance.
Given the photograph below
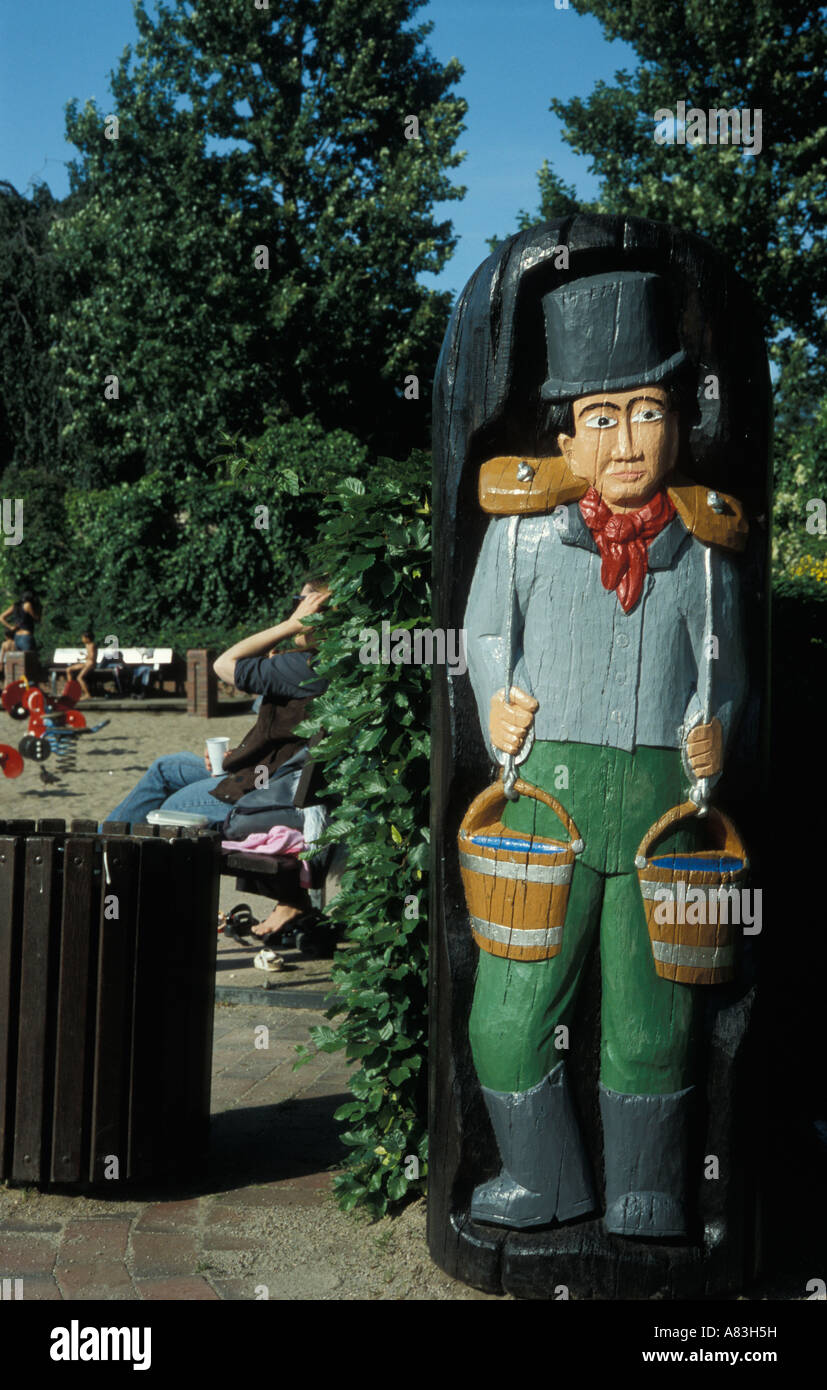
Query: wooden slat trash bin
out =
(107, 978)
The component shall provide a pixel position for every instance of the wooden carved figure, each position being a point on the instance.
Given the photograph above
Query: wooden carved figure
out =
(607, 656)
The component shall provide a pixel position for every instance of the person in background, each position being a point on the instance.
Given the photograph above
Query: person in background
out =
(141, 680)
(79, 670)
(20, 620)
(284, 679)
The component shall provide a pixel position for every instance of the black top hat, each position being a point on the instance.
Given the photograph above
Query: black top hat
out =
(609, 333)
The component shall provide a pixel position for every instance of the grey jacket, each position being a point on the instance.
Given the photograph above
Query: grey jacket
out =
(603, 676)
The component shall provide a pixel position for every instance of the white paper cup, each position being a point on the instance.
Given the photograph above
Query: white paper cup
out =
(216, 748)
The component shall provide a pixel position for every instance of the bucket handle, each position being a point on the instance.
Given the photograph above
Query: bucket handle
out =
(732, 842)
(493, 799)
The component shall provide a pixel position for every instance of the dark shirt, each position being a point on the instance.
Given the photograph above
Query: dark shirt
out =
(21, 620)
(287, 684)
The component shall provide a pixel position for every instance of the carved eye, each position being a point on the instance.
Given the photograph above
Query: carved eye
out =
(644, 417)
(600, 422)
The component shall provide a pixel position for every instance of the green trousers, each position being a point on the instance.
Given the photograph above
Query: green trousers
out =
(648, 1024)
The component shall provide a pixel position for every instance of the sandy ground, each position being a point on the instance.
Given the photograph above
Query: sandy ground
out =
(110, 762)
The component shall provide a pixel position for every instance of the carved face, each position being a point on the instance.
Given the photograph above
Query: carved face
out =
(625, 443)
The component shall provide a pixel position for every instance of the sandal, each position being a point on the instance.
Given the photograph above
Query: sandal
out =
(238, 923)
(268, 960)
(282, 935)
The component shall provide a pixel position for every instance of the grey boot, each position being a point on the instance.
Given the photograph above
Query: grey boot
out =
(545, 1173)
(645, 1149)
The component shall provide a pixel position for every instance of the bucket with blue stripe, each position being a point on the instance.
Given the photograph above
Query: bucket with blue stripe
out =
(516, 886)
(692, 900)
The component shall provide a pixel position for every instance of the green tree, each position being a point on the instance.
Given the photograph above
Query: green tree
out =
(766, 211)
(252, 240)
(45, 540)
(31, 291)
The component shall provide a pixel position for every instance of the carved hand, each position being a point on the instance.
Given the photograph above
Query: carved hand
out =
(704, 747)
(509, 724)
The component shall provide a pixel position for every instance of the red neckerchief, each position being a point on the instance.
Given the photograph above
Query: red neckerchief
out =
(622, 540)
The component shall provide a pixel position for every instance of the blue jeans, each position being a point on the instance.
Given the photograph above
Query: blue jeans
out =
(174, 782)
(24, 642)
(141, 676)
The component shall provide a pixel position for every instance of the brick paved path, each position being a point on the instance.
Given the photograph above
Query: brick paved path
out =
(260, 1223)
(273, 1140)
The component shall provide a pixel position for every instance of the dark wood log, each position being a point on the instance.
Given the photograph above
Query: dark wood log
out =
(11, 912)
(152, 1035)
(35, 1048)
(179, 991)
(487, 405)
(75, 1011)
(105, 1055)
(203, 950)
(116, 930)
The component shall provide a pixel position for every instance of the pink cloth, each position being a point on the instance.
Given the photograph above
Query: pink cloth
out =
(279, 839)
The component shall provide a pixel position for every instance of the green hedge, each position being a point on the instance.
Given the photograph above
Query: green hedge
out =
(374, 541)
(178, 562)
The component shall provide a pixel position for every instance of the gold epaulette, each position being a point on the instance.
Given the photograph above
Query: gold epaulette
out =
(512, 485)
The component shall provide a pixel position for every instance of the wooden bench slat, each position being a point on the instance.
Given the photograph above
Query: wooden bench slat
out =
(125, 656)
(236, 861)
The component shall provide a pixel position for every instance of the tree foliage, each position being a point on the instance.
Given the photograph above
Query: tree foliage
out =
(251, 241)
(171, 561)
(31, 291)
(766, 211)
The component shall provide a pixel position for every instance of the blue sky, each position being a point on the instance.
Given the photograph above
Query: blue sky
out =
(516, 57)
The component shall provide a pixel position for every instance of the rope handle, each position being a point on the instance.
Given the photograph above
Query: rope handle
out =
(493, 799)
(509, 763)
(732, 842)
(700, 793)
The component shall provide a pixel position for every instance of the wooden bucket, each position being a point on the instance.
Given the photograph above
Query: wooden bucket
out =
(702, 950)
(516, 885)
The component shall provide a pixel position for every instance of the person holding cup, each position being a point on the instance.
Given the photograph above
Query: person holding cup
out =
(214, 756)
(277, 664)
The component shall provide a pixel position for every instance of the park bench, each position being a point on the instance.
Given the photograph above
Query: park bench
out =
(160, 659)
(265, 874)
(273, 875)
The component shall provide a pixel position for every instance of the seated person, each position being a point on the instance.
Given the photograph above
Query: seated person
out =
(285, 681)
(141, 680)
(79, 670)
